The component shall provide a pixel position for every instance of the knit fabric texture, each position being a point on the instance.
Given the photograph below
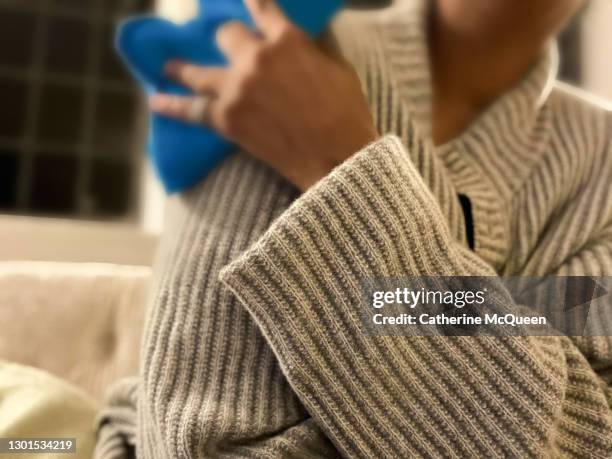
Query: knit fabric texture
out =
(254, 346)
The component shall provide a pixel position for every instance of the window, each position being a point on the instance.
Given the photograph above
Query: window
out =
(70, 137)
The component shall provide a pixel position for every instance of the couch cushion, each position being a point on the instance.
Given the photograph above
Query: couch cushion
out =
(81, 322)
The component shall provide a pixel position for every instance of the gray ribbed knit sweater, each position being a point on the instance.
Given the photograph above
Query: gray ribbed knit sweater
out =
(254, 345)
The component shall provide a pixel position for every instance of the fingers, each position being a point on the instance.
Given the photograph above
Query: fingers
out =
(202, 80)
(194, 110)
(234, 38)
(268, 17)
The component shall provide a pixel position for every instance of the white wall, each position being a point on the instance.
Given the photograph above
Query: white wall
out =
(48, 239)
(177, 10)
(597, 48)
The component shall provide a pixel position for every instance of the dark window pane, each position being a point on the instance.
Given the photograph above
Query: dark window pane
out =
(142, 6)
(9, 170)
(121, 7)
(114, 124)
(76, 5)
(60, 115)
(110, 187)
(113, 7)
(16, 37)
(53, 184)
(111, 65)
(13, 105)
(67, 46)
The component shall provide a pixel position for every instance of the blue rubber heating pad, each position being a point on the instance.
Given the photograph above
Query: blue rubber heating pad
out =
(183, 154)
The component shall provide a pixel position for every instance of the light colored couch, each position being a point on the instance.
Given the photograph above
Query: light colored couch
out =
(81, 322)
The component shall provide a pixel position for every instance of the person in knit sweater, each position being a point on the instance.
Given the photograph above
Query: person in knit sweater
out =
(254, 344)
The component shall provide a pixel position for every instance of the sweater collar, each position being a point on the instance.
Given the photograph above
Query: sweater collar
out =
(509, 122)
(491, 159)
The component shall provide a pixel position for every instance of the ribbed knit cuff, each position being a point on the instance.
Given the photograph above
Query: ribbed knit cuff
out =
(302, 283)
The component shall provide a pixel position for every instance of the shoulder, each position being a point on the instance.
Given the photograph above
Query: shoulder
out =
(582, 128)
(581, 146)
(581, 114)
(582, 106)
(570, 94)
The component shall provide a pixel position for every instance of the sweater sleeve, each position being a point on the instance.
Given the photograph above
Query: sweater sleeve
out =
(397, 396)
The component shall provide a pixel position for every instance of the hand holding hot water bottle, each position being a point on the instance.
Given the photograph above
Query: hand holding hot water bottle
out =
(183, 153)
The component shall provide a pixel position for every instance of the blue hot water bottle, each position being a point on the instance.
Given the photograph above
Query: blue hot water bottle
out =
(183, 154)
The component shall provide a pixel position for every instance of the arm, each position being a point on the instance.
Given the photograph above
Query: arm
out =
(399, 396)
(209, 383)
